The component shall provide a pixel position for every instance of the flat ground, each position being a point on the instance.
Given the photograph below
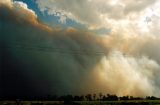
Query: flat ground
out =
(130, 102)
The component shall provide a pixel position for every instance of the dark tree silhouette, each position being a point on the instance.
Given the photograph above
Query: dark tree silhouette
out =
(78, 98)
(110, 98)
(89, 97)
(151, 98)
(94, 97)
(100, 96)
(124, 98)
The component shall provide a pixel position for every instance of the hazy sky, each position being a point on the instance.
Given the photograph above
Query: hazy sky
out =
(80, 46)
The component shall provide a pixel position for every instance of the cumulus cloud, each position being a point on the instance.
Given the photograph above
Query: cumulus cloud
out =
(28, 44)
(38, 60)
(21, 12)
(135, 74)
(72, 10)
(6, 2)
(98, 13)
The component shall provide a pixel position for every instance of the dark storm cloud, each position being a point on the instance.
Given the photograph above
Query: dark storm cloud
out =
(38, 60)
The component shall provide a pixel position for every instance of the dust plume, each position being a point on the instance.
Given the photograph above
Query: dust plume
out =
(39, 60)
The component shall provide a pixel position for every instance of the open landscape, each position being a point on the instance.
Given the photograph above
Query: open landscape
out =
(135, 102)
(83, 100)
(79, 52)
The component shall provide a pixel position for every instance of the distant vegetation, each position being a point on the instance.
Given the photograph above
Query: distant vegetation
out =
(87, 97)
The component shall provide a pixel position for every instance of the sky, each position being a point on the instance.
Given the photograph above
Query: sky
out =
(58, 47)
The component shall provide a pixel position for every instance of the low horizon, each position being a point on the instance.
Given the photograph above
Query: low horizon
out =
(58, 47)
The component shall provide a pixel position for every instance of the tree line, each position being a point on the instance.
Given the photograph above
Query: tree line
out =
(101, 97)
(87, 97)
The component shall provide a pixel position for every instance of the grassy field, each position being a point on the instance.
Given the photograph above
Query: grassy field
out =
(130, 102)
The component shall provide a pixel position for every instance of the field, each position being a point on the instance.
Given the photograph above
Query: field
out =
(133, 102)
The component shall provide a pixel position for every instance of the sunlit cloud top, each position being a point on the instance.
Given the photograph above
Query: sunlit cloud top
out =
(98, 44)
(137, 16)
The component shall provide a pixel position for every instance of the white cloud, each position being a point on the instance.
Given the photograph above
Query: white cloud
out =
(24, 12)
(135, 75)
(21, 7)
(8, 2)
(127, 59)
(77, 10)
(114, 14)
(21, 10)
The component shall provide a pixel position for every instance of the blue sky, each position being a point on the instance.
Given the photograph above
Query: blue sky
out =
(101, 17)
(53, 21)
(55, 61)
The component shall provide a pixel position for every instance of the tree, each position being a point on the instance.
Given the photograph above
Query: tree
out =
(94, 97)
(111, 97)
(78, 98)
(124, 98)
(89, 97)
(100, 96)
